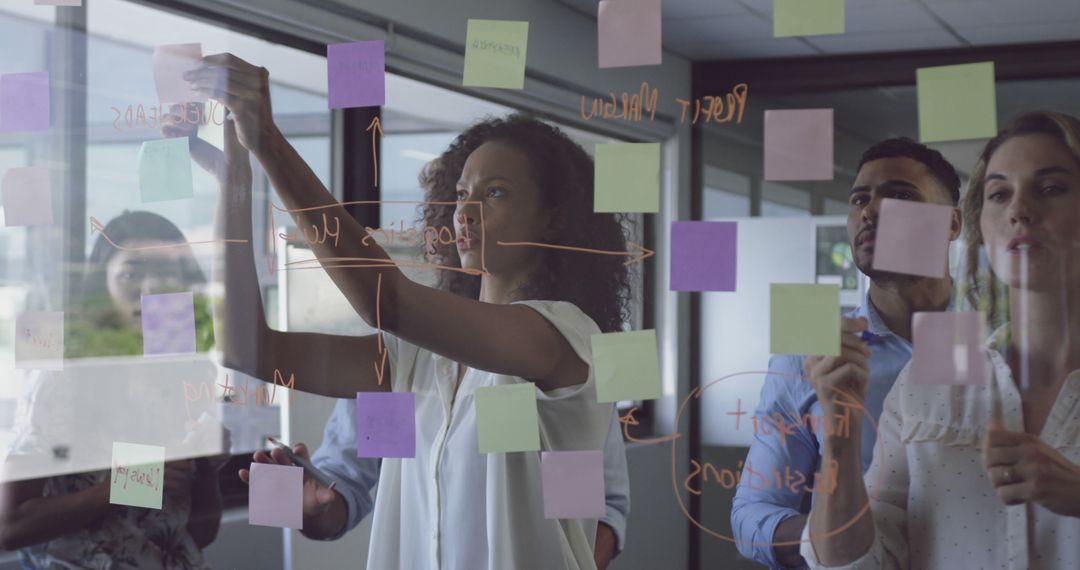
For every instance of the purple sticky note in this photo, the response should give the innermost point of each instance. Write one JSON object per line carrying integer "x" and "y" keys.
{"x": 27, "y": 196}
{"x": 628, "y": 32}
{"x": 912, "y": 238}
{"x": 573, "y": 484}
{"x": 357, "y": 74}
{"x": 168, "y": 323}
{"x": 24, "y": 102}
{"x": 276, "y": 495}
{"x": 170, "y": 62}
{"x": 948, "y": 349}
{"x": 703, "y": 256}
{"x": 799, "y": 144}
{"x": 385, "y": 424}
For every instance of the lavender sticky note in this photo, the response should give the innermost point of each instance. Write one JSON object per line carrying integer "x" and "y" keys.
{"x": 39, "y": 340}
{"x": 357, "y": 74}
{"x": 27, "y": 196}
{"x": 628, "y": 32}
{"x": 703, "y": 256}
{"x": 573, "y": 483}
{"x": 912, "y": 238}
{"x": 799, "y": 144}
{"x": 948, "y": 349}
{"x": 276, "y": 495}
{"x": 24, "y": 102}
{"x": 138, "y": 475}
{"x": 168, "y": 323}
{"x": 170, "y": 62}
{"x": 385, "y": 424}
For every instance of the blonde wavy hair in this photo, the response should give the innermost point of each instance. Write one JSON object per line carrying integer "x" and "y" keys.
{"x": 984, "y": 292}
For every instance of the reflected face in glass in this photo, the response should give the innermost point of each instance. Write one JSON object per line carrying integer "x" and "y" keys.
{"x": 899, "y": 178}
{"x": 498, "y": 177}
{"x": 1031, "y": 208}
{"x": 131, "y": 274}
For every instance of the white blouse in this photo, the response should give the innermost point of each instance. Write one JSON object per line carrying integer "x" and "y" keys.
{"x": 456, "y": 508}
{"x": 932, "y": 501}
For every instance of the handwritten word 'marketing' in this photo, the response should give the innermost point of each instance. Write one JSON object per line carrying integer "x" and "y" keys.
{"x": 237, "y": 395}
{"x": 628, "y": 107}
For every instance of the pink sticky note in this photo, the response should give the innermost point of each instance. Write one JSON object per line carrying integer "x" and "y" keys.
{"x": 27, "y": 196}
{"x": 24, "y": 102}
{"x": 573, "y": 484}
{"x": 276, "y": 495}
{"x": 356, "y": 74}
{"x": 912, "y": 238}
{"x": 385, "y": 424}
{"x": 39, "y": 340}
{"x": 948, "y": 349}
{"x": 799, "y": 144}
{"x": 170, "y": 62}
{"x": 628, "y": 32}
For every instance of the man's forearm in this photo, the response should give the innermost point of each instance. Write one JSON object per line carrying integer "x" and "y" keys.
{"x": 330, "y": 522}
{"x": 789, "y": 530}
{"x": 841, "y": 497}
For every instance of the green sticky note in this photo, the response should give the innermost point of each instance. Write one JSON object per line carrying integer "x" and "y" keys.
{"x": 956, "y": 102}
{"x": 138, "y": 475}
{"x": 627, "y": 366}
{"x": 506, "y": 418}
{"x": 805, "y": 319}
{"x": 793, "y": 18}
{"x": 627, "y": 178}
{"x": 165, "y": 170}
{"x": 495, "y": 54}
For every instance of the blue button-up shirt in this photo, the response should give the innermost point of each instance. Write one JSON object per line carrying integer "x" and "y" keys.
{"x": 759, "y": 507}
{"x": 357, "y": 476}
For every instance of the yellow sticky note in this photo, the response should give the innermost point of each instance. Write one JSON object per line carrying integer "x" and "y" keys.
{"x": 506, "y": 418}
{"x": 627, "y": 366}
{"x": 495, "y": 54}
{"x": 138, "y": 475}
{"x": 627, "y": 178}
{"x": 956, "y": 102}
{"x": 793, "y": 18}
{"x": 804, "y": 319}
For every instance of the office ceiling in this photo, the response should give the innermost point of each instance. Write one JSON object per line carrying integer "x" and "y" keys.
{"x": 705, "y": 30}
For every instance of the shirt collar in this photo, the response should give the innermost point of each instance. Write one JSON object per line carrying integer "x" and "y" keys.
{"x": 877, "y": 325}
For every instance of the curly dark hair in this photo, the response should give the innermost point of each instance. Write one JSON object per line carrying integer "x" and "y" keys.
{"x": 933, "y": 160}
{"x": 600, "y": 285}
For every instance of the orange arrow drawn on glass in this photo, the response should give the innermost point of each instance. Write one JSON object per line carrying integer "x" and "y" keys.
{"x": 376, "y": 130}
{"x": 381, "y": 367}
{"x": 637, "y": 255}
{"x": 629, "y": 420}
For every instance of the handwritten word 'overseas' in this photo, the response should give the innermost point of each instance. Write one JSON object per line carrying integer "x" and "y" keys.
{"x": 146, "y": 476}
{"x": 628, "y": 107}
{"x": 499, "y": 48}
{"x": 136, "y": 115}
{"x": 237, "y": 395}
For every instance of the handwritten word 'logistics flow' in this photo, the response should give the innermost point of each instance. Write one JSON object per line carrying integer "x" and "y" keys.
{"x": 628, "y": 107}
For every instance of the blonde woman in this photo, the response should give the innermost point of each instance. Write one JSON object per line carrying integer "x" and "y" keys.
{"x": 979, "y": 476}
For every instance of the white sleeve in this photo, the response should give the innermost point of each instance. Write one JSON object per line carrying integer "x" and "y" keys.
{"x": 887, "y": 484}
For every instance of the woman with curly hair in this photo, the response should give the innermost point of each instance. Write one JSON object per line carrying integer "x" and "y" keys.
{"x": 525, "y": 325}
